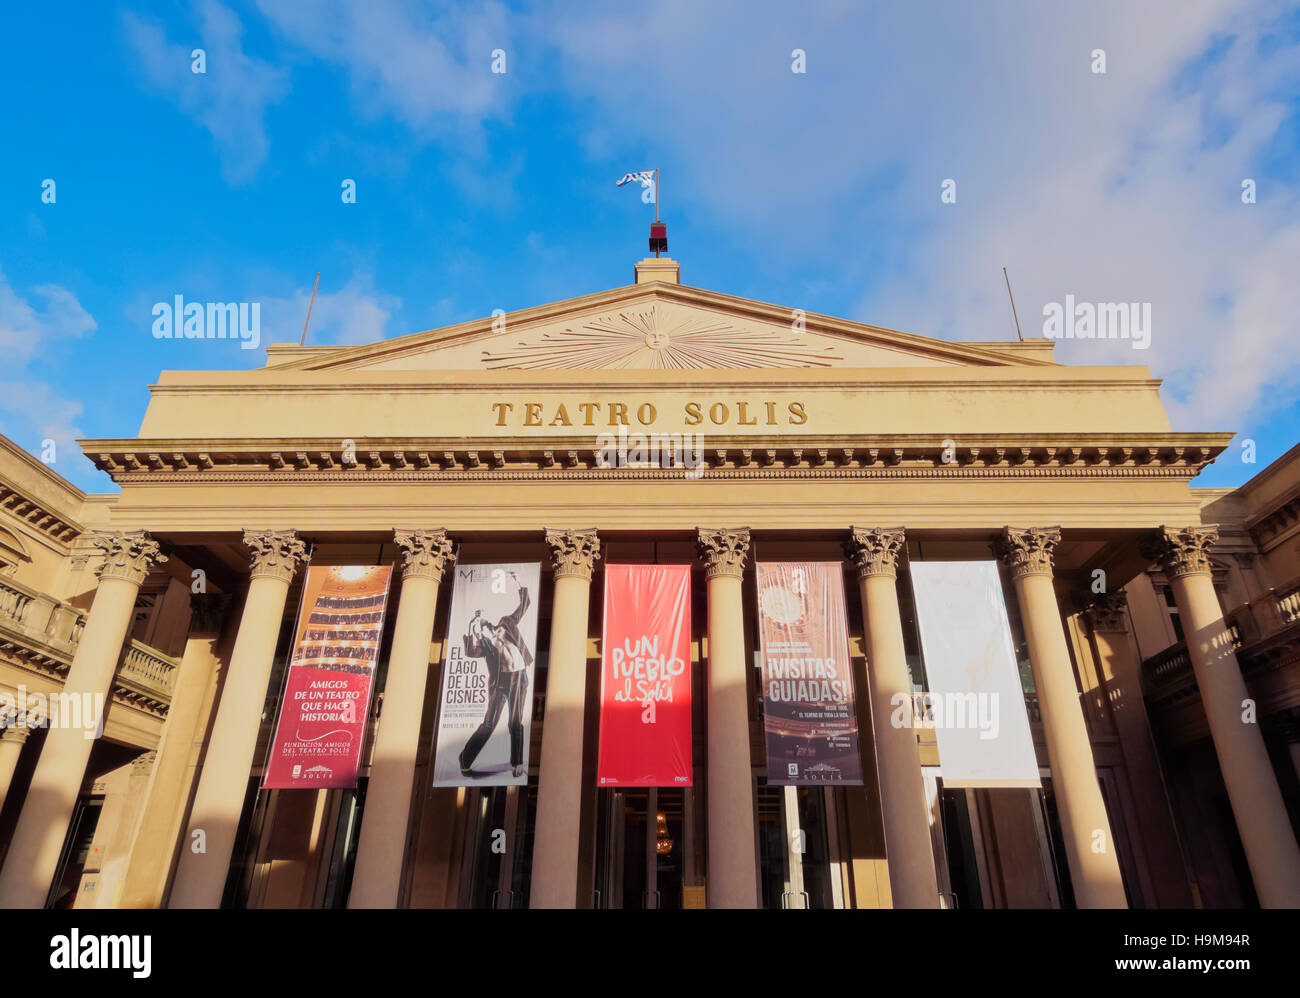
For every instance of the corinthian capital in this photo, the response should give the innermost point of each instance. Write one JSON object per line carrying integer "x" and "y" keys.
{"x": 1028, "y": 551}
{"x": 1182, "y": 551}
{"x": 1107, "y": 612}
{"x": 573, "y": 552}
{"x": 276, "y": 553}
{"x": 427, "y": 553}
{"x": 128, "y": 555}
{"x": 875, "y": 550}
{"x": 724, "y": 551}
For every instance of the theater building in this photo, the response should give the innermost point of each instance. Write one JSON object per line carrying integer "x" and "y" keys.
{"x": 1155, "y": 628}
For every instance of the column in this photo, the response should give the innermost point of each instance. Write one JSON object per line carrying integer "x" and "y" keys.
{"x": 732, "y": 874}
{"x": 1108, "y": 620}
{"x": 377, "y": 879}
{"x": 43, "y": 825}
{"x": 559, "y": 783}
{"x": 150, "y": 865}
{"x": 223, "y": 782}
{"x": 1089, "y": 844}
{"x": 12, "y": 739}
{"x": 1266, "y": 835}
{"x": 912, "y": 879}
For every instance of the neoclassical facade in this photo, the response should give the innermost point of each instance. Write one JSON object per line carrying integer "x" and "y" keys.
{"x": 1156, "y": 626}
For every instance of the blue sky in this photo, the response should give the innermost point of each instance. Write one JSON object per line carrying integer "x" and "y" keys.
{"x": 818, "y": 190}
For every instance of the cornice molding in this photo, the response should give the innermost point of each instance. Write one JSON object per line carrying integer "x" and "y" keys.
{"x": 1180, "y": 456}
{"x": 37, "y": 515}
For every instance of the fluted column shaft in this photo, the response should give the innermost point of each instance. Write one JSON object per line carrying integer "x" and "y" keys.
{"x": 1089, "y": 844}
{"x": 12, "y": 740}
{"x": 145, "y": 883}
{"x": 377, "y": 878}
{"x": 1262, "y": 822}
{"x": 214, "y": 819}
{"x": 912, "y": 879}
{"x": 559, "y": 782}
{"x": 732, "y": 872}
{"x": 33, "y": 856}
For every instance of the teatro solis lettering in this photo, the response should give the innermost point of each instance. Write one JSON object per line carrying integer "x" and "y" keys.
{"x": 745, "y": 412}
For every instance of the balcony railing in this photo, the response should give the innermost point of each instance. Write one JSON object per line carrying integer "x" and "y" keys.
{"x": 1269, "y": 613}
{"x": 1260, "y": 620}
{"x": 48, "y": 630}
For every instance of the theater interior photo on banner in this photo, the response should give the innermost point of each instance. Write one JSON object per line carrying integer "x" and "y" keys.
{"x": 534, "y": 456}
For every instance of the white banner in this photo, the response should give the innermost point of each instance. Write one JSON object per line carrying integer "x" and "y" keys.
{"x": 485, "y": 709}
{"x": 975, "y": 694}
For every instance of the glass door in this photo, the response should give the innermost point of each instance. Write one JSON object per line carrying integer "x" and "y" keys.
{"x": 798, "y": 848}
{"x": 646, "y": 845}
{"x": 498, "y": 847}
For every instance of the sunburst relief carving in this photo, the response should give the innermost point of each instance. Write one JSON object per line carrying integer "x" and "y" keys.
{"x": 653, "y": 339}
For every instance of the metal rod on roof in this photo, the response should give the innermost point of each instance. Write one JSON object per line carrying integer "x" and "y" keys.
{"x": 1013, "y": 304}
{"x": 303, "y": 341}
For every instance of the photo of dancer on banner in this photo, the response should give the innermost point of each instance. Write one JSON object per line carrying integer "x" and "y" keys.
{"x": 645, "y": 677}
{"x": 810, "y": 715}
{"x": 331, "y": 678}
{"x": 486, "y": 704}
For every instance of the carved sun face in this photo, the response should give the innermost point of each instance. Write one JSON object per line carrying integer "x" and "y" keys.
{"x": 659, "y": 337}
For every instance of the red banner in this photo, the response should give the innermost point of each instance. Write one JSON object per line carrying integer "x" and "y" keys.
{"x": 645, "y": 677}
{"x": 326, "y": 700}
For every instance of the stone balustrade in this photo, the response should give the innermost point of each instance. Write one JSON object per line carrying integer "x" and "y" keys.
{"x": 36, "y": 626}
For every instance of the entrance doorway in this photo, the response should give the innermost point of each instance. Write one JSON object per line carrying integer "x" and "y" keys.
{"x": 497, "y": 867}
{"x": 647, "y": 848}
{"x": 76, "y": 851}
{"x": 798, "y": 845}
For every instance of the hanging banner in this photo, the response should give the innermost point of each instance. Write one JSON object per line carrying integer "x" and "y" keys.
{"x": 485, "y": 710}
{"x": 645, "y": 677}
{"x": 810, "y": 715}
{"x": 975, "y": 695}
{"x": 331, "y": 677}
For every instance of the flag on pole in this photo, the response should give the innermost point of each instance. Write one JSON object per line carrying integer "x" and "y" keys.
{"x": 647, "y": 178}
{"x": 649, "y": 195}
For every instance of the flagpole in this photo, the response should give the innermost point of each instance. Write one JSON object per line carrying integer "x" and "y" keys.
{"x": 656, "y": 194}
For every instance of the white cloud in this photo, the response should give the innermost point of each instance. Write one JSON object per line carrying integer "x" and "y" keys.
{"x": 356, "y": 313}
{"x": 230, "y": 99}
{"x": 429, "y": 65}
{"x": 33, "y": 411}
{"x": 25, "y": 329}
{"x": 1115, "y": 187}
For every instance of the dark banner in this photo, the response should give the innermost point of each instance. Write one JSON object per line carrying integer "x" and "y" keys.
{"x": 810, "y": 718}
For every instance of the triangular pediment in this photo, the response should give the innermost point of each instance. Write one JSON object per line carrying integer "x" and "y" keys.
{"x": 658, "y": 326}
